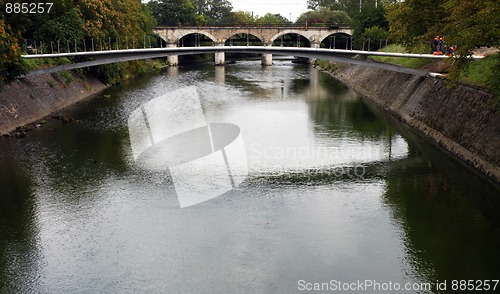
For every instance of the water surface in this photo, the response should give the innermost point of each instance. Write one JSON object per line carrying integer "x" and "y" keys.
{"x": 336, "y": 190}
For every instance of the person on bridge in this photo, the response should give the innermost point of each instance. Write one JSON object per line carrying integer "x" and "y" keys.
{"x": 435, "y": 46}
{"x": 451, "y": 50}
{"x": 441, "y": 46}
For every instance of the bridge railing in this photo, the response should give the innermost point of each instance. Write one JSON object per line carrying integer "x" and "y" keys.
{"x": 33, "y": 46}
{"x": 262, "y": 25}
{"x": 105, "y": 44}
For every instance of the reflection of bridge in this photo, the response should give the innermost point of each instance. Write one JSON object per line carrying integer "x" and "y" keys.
{"x": 266, "y": 35}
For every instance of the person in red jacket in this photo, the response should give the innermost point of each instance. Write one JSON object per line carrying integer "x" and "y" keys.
{"x": 435, "y": 45}
{"x": 441, "y": 46}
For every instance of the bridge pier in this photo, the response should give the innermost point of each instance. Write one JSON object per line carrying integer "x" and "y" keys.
{"x": 267, "y": 59}
{"x": 220, "y": 57}
{"x": 314, "y": 45}
{"x": 173, "y": 60}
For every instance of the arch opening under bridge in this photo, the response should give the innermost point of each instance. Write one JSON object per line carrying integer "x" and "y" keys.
{"x": 295, "y": 36}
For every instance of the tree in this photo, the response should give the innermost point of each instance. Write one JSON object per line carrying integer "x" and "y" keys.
{"x": 243, "y": 17}
{"x": 324, "y": 16}
{"x": 68, "y": 26}
{"x": 473, "y": 23}
{"x": 351, "y": 7}
{"x": 11, "y": 64}
{"x": 375, "y": 33}
{"x": 275, "y": 19}
{"x": 364, "y": 14}
{"x": 173, "y": 12}
{"x": 217, "y": 11}
{"x": 416, "y": 20}
{"x": 115, "y": 18}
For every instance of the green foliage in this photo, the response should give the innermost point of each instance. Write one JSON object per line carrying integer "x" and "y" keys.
{"x": 11, "y": 64}
{"x": 191, "y": 12}
{"x": 114, "y": 73}
{"x": 468, "y": 24}
{"x": 243, "y": 17}
{"x": 473, "y": 23}
{"x": 412, "y": 21}
{"x": 37, "y": 63}
{"x": 69, "y": 20}
{"x": 369, "y": 17}
{"x": 484, "y": 72}
{"x": 173, "y": 12}
{"x": 67, "y": 76}
{"x": 375, "y": 33}
{"x": 324, "y": 16}
{"x": 272, "y": 19}
{"x": 66, "y": 27}
{"x": 112, "y": 18}
{"x": 200, "y": 20}
{"x": 216, "y": 11}
{"x": 370, "y": 13}
{"x": 349, "y": 6}
{"x": 330, "y": 66}
{"x": 406, "y": 62}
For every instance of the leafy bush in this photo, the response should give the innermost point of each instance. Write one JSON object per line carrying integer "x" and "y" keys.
{"x": 11, "y": 64}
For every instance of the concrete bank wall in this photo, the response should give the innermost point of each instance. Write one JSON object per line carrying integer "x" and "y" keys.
{"x": 459, "y": 119}
{"x": 30, "y": 99}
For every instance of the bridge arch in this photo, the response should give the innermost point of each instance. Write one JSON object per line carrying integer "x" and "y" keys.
{"x": 337, "y": 40}
{"x": 228, "y": 40}
{"x": 286, "y": 32}
{"x": 200, "y": 32}
{"x": 179, "y": 34}
{"x": 275, "y": 41}
{"x": 227, "y": 36}
{"x": 193, "y": 39}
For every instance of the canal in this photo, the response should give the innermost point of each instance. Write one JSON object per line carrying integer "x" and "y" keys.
{"x": 335, "y": 191}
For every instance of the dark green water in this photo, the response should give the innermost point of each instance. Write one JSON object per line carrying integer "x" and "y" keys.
{"x": 336, "y": 191}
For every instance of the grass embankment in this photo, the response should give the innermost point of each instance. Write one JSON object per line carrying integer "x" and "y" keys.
{"x": 109, "y": 73}
{"x": 403, "y": 61}
{"x": 478, "y": 73}
{"x": 36, "y": 63}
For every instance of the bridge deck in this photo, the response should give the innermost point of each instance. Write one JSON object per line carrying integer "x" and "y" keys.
{"x": 322, "y": 52}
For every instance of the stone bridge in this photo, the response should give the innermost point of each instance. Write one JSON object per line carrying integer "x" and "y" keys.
{"x": 266, "y": 34}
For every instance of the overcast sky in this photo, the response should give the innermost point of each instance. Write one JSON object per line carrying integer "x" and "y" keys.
{"x": 286, "y": 8}
{"x": 261, "y": 7}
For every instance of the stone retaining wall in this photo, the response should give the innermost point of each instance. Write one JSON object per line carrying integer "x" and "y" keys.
{"x": 27, "y": 100}
{"x": 459, "y": 119}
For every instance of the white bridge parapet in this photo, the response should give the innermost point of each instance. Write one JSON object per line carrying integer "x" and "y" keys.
{"x": 338, "y": 55}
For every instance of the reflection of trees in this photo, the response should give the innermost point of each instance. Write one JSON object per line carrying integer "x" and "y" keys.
{"x": 84, "y": 164}
{"x": 449, "y": 216}
{"x": 342, "y": 110}
{"x": 18, "y": 232}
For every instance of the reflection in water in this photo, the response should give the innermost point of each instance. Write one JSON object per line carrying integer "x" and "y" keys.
{"x": 220, "y": 75}
{"x": 170, "y": 134}
{"x": 19, "y": 257}
{"x": 336, "y": 190}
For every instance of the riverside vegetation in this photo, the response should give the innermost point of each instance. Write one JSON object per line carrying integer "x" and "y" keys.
{"x": 468, "y": 24}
